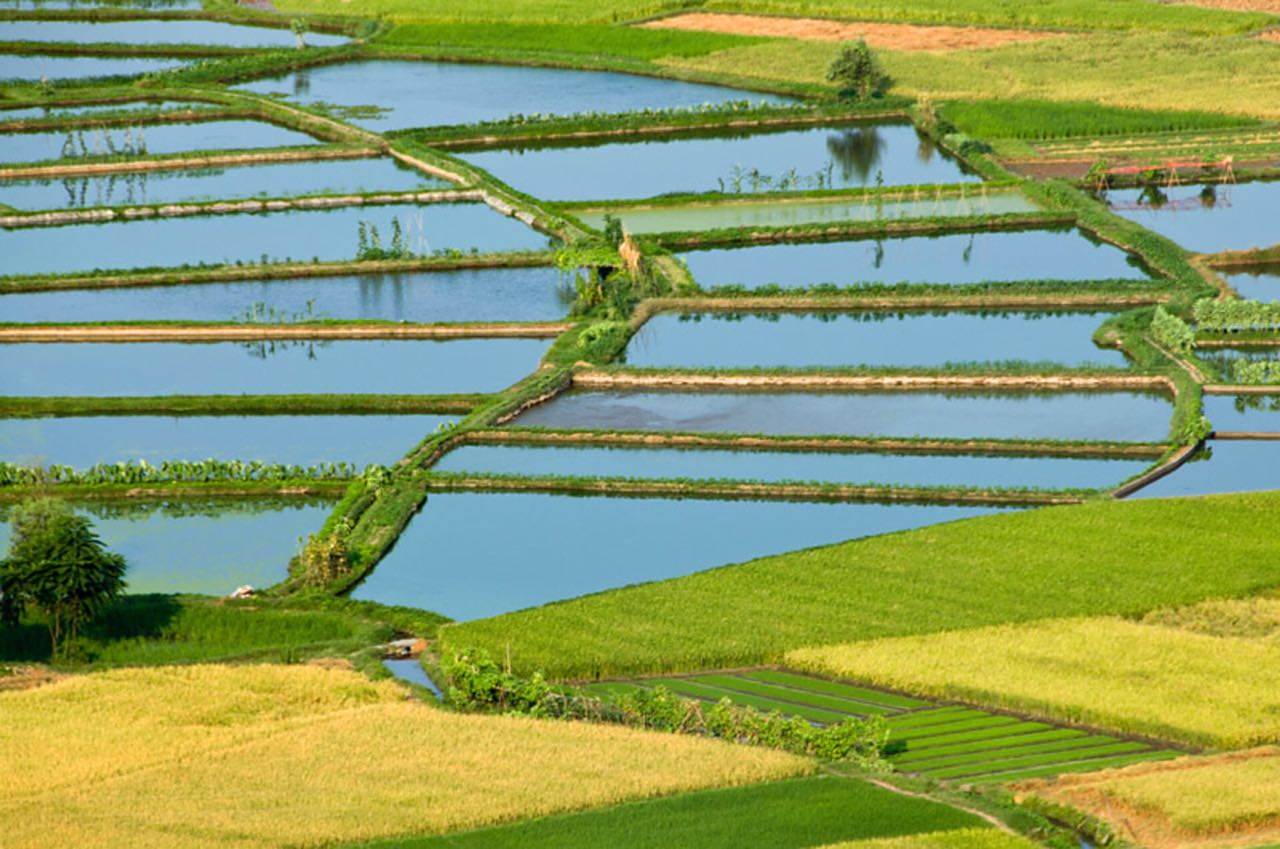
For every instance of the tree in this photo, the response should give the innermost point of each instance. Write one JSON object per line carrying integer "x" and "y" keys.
{"x": 58, "y": 565}
{"x": 299, "y": 27}
{"x": 856, "y": 71}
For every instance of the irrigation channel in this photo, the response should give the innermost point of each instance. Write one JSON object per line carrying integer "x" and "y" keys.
{"x": 824, "y": 321}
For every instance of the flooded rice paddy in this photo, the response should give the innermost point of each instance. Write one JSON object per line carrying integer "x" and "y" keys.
{"x": 1223, "y": 466}
{"x": 462, "y": 295}
{"x": 67, "y": 146}
{"x": 471, "y": 555}
{"x": 721, "y": 340}
{"x": 794, "y": 213}
{"x": 1120, "y": 416}
{"x": 398, "y": 367}
{"x": 290, "y": 235}
{"x": 951, "y": 259}
{"x": 83, "y": 441}
{"x": 15, "y": 66}
{"x": 292, "y": 179}
{"x": 789, "y": 160}
{"x": 467, "y": 93}
{"x": 1205, "y": 218}
{"x": 158, "y": 32}
{"x": 779, "y": 466}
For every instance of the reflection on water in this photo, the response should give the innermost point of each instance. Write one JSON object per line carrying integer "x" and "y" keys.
{"x": 857, "y": 151}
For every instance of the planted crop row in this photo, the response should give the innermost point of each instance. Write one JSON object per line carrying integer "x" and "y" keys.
{"x": 1236, "y": 315}
{"x": 174, "y": 471}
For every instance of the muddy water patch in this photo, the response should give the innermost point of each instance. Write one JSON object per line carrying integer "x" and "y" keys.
{"x": 470, "y": 555}
{"x": 297, "y": 235}
{"x": 159, "y": 32}
{"x": 735, "y": 340}
{"x": 1059, "y": 254}
{"x": 70, "y": 146}
{"x": 419, "y": 367}
{"x": 1117, "y": 416}
{"x": 419, "y": 94}
{"x": 786, "y": 160}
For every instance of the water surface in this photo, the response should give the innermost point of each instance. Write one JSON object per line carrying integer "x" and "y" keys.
{"x": 776, "y": 466}
{"x": 32, "y": 67}
{"x": 58, "y": 111}
{"x": 1067, "y": 415}
{"x": 417, "y": 94}
{"x": 793, "y": 213}
{"x": 289, "y": 179}
{"x": 1250, "y": 413}
{"x": 408, "y": 367}
{"x": 143, "y": 139}
{"x": 209, "y": 548}
{"x": 469, "y": 294}
{"x": 1256, "y": 284}
{"x": 159, "y": 32}
{"x": 410, "y": 669}
{"x": 296, "y": 234}
{"x": 469, "y": 555}
{"x": 811, "y": 158}
{"x": 83, "y": 441}
{"x": 1227, "y": 466}
{"x": 155, "y": 5}
{"x": 957, "y": 259}
{"x": 719, "y": 340}
{"x": 1206, "y": 218}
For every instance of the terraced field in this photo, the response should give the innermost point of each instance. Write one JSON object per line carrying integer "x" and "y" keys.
{"x": 946, "y": 742}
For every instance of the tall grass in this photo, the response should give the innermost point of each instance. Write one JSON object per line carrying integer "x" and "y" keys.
{"x": 261, "y": 756}
{"x": 1044, "y": 119}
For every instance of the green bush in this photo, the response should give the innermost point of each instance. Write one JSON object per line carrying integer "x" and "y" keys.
{"x": 856, "y": 71}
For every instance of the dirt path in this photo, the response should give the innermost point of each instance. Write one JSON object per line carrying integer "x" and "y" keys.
{"x": 887, "y": 36}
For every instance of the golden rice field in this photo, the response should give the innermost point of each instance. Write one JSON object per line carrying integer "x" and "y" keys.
{"x": 1159, "y": 681}
{"x": 266, "y": 756}
{"x": 1256, "y": 618}
{"x": 960, "y": 838}
{"x": 1232, "y": 797}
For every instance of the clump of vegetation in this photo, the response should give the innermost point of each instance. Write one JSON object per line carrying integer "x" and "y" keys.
{"x": 326, "y": 557}
{"x": 1255, "y": 372}
{"x": 369, "y": 242}
{"x": 59, "y": 567}
{"x": 476, "y": 682}
{"x": 1172, "y": 332}
{"x": 857, "y": 72}
{"x": 299, "y": 28}
{"x": 174, "y": 471}
{"x": 1236, "y": 315}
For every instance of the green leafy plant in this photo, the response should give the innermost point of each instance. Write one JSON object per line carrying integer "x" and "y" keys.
{"x": 856, "y": 71}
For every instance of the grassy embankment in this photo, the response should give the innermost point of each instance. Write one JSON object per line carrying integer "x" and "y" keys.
{"x": 274, "y": 756}
{"x": 1125, "y": 558}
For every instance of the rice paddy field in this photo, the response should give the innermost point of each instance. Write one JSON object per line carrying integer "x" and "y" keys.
{"x": 562, "y": 424}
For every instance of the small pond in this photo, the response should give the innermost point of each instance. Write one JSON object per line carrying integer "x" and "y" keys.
{"x": 722, "y": 340}
{"x": 471, "y": 555}
{"x": 1206, "y": 218}
{"x": 792, "y": 213}
{"x": 958, "y": 258}
{"x": 1115, "y": 416}
{"x": 15, "y": 66}
{"x": 292, "y": 179}
{"x": 159, "y": 32}
{"x": 468, "y": 294}
{"x": 297, "y": 235}
{"x": 776, "y": 466}
{"x": 1227, "y": 466}
{"x": 208, "y": 547}
{"x": 419, "y": 94}
{"x": 396, "y": 367}
{"x": 1255, "y": 284}
{"x": 1244, "y": 413}
{"x": 410, "y": 669}
{"x": 811, "y": 158}
{"x": 67, "y": 146}
{"x": 83, "y": 441}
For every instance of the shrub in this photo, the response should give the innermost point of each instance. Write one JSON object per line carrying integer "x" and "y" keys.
{"x": 1172, "y": 332}
{"x": 857, "y": 72}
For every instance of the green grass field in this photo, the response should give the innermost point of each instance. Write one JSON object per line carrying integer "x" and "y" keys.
{"x": 956, "y": 743}
{"x": 1123, "y": 557}
{"x": 792, "y": 814}
{"x": 960, "y": 838}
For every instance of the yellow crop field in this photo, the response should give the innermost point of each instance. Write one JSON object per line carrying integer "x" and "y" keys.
{"x": 1257, "y": 618}
{"x": 960, "y": 838}
{"x": 262, "y": 756}
{"x": 1232, "y": 798}
{"x": 1106, "y": 672}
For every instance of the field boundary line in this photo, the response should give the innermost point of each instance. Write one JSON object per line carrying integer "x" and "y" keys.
{"x": 180, "y": 162}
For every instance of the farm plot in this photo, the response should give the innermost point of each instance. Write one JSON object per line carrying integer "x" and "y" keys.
{"x": 903, "y": 339}
{"x": 1259, "y": 283}
{"x": 1222, "y": 466}
{"x": 193, "y": 546}
{"x": 63, "y": 111}
{"x": 315, "y": 234}
{"x": 1162, "y": 681}
{"x": 288, "y": 367}
{"x": 138, "y": 188}
{"x": 158, "y": 32}
{"x": 794, "y": 212}
{"x": 1208, "y": 218}
{"x": 1059, "y": 415}
{"x": 267, "y": 756}
{"x": 952, "y": 743}
{"x": 1243, "y": 413}
{"x": 951, "y": 259}
{"x": 467, "y": 93}
{"x": 26, "y": 66}
{"x": 67, "y": 147}
{"x": 813, "y": 158}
